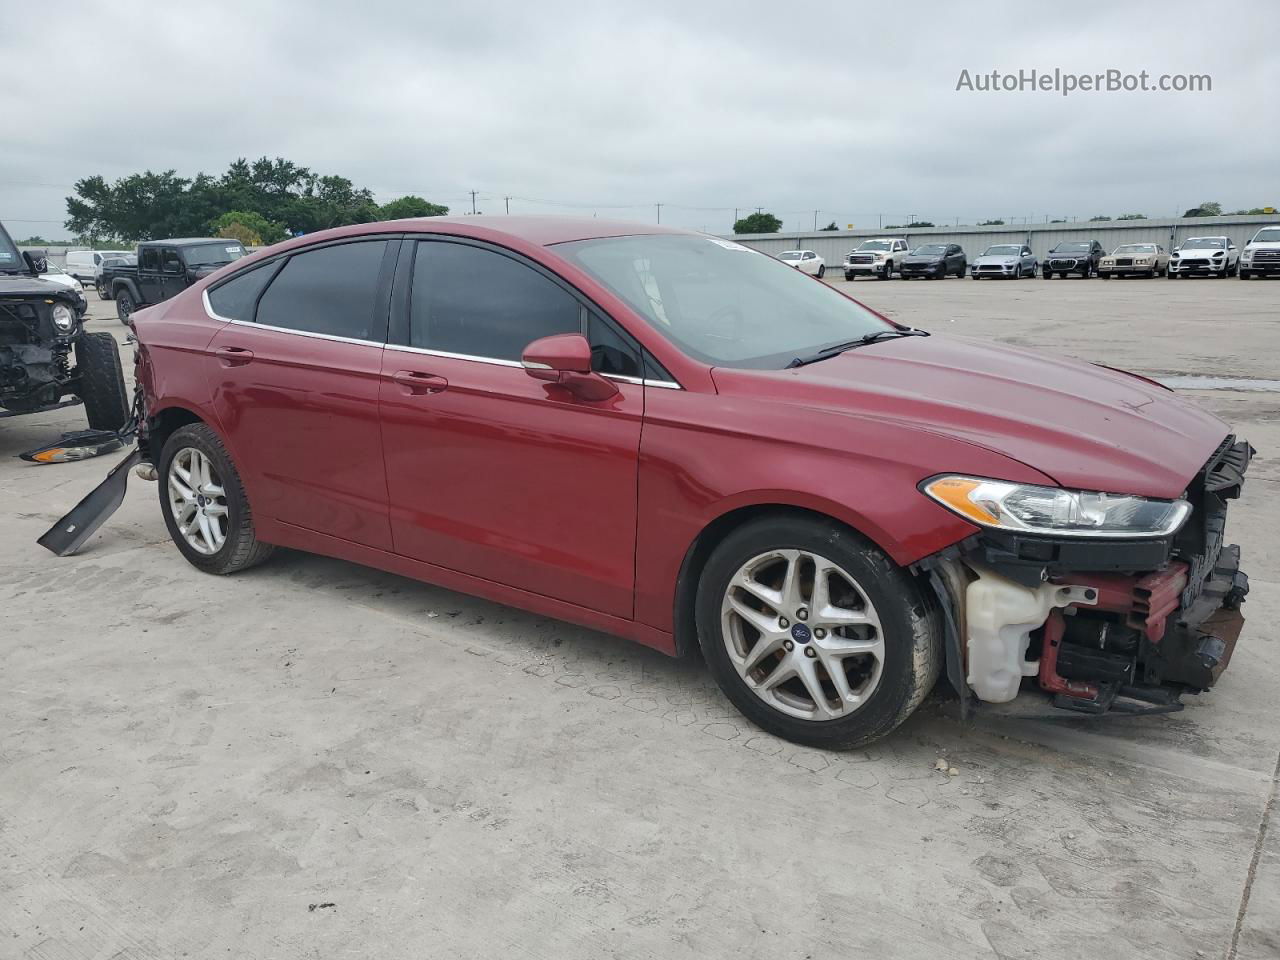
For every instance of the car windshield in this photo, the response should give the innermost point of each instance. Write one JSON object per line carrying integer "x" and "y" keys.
{"x": 10, "y": 259}
{"x": 930, "y": 250}
{"x": 1076, "y": 246}
{"x": 1129, "y": 248}
{"x": 208, "y": 253}
{"x": 789, "y": 255}
{"x": 1204, "y": 243}
{"x": 1269, "y": 235}
{"x": 720, "y": 302}
{"x": 1003, "y": 250}
{"x": 876, "y": 245}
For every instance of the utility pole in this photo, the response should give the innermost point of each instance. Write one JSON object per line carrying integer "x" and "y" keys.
{"x": 815, "y": 221}
{"x": 473, "y": 202}
{"x": 735, "y": 214}
{"x": 880, "y": 218}
{"x": 659, "y": 206}
{"x": 507, "y": 201}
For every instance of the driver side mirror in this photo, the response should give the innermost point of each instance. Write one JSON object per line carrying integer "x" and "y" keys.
{"x": 36, "y": 264}
{"x": 565, "y": 359}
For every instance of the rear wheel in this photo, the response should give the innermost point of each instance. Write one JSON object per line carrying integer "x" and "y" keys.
{"x": 204, "y": 503}
{"x": 822, "y": 271}
{"x": 101, "y": 381}
{"x": 124, "y": 305}
{"x": 814, "y": 634}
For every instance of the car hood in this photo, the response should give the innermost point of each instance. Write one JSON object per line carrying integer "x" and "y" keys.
{"x": 924, "y": 258}
{"x": 1066, "y": 256}
{"x": 24, "y": 285}
{"x": 1085, "y": 426}
{"x": 996, "y": 258}
{"x": 1264, "y": 245}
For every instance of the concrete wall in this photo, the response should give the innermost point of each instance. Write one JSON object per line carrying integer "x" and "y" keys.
{"x": 834, "y": 245}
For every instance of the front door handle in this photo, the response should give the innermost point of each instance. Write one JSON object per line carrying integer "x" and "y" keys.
{"x": 419, "y": 384}
{"x": 233, "y": 356}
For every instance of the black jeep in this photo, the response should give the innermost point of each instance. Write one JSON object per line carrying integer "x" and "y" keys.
{"x": 164, "y": 269}
{"x": 41, "y": 331}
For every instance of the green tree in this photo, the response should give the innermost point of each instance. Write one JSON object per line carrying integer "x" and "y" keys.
{"x": 758, "y": 223}
{"x": 1100, "y": 218}
{"x": 251, "y": 223}
{"x": 235, "y": 230}
{"x": 410, "y": 206}
{"x": 1205, "y": 210}
{"x": 1132, "y": 216}
{"x": 831, "y": 226}
{"x": 36, "y": 241}
{"x": 991, "y": 223}
{"x": 921, "y": 223}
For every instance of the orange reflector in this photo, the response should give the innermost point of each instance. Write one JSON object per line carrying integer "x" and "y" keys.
{"x": 954, "y": 493}
{"x": 56, "y": 455}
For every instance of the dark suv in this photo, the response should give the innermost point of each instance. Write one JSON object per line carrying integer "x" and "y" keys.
{"x": 41, "y": 333}
{"x": 1073, "y": 256}
{"x": 166, "y": 268}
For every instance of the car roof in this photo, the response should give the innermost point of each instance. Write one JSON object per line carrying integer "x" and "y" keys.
{"x": 543, "y": 230}
{"x": 187, "y": 241}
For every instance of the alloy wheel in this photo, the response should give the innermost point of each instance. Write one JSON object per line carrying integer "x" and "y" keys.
{"x": 198, "y": 501}
{"x": 803, "y": 634}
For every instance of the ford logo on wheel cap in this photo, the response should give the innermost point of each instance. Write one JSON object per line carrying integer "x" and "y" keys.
{"x": 800, "y": 633}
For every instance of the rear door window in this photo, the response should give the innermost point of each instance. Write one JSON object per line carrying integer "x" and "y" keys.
{"x": 149, "y": 259}
{"x": 170, "y": 260}
{"x": 332, "y": 291}
{"x": 236, "y": 298}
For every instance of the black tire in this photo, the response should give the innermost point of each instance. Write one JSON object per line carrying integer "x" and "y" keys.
{"x": 1234, "y": 269}
{"x": 848, "y": 276}
{"x": 822, "y": 271}
{"x": 1047, "y": 274}
{"x": 101, "y": 381}
{"x": 242, "y": 548}
{"x": 103, "y": 294}
{"x": 1245, "y": 275}
{"x": 888, "y": 271}
{"x": 1105, "y": 276}
{"x": 124, "y": 305}
{"x": 910, "y": 620}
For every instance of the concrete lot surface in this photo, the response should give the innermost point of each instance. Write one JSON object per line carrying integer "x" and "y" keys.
{"x": 314, "y": 759}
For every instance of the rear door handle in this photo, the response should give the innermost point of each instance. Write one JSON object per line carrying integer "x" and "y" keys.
{"x": 419, "y": 384}
{"x": 233, "y": 356}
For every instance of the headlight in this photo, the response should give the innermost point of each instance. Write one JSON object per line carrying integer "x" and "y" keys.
{"x": 879, "y": 256}
{"x": 63, "y": 318}
{"x": 1053, "y": 511}
{"x": 1219, "y": 254}
{"x": 1141, "y": 262}
{"x": 1010, "y": 263}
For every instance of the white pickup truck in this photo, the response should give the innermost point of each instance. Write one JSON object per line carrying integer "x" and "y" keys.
{"x": 1261, "y": 255}
{"x": 875, "y": 258}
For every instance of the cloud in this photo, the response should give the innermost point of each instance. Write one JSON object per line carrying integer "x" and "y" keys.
{"x": 717, "y": 105}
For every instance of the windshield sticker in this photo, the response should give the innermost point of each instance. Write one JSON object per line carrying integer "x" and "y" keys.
{"x": 6, "y": 256}
{"x": 728, "y": 244}
{"x": 233, "y": 249}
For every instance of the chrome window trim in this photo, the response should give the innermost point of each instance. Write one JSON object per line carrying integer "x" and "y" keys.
{"x": 638, "y": 381}
{"x": 401, "y": 348}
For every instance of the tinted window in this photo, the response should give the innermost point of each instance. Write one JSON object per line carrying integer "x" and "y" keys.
{"x": 332, "y": 290}
{"x": 610, "y": 351}
{"x": 171, "y": 262}
{"x": 237, "y": 297}
{"x": 150, "y": 259}
{"x": 480, "y": 303}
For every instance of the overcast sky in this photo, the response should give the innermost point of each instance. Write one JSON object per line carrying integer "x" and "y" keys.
{"x": 788, "y": 106}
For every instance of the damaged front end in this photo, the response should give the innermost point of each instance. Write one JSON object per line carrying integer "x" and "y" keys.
{"x": 1124, "y": 625}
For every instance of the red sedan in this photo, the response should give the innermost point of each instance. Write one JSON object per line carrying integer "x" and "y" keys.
{"x": 671, "y": 437}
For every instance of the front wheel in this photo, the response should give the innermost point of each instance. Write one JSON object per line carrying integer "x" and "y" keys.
{"x": 101, "y": 381}
{"x": 888, "y": 271}
{"x": 848, "y": 275}
{"x": 204, "y": 504}
{"x": 822, "y": 271}
{"x": 814, "y": 634}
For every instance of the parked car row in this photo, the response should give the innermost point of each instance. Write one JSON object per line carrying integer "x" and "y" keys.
{"x": 885, "y": 257}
